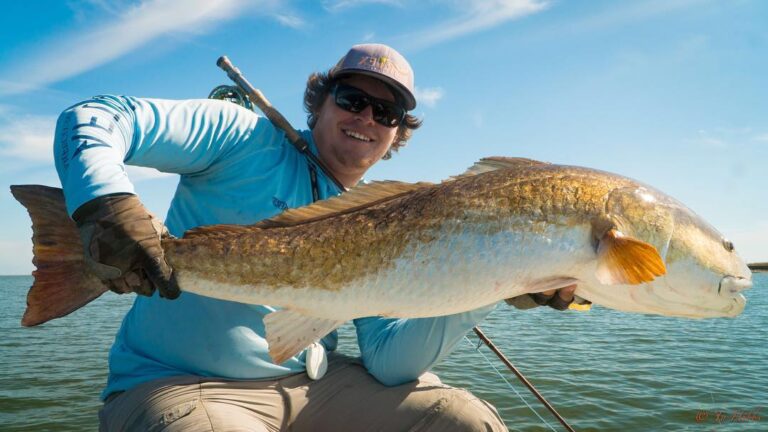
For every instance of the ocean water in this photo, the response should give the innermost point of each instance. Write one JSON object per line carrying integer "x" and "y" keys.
{"x": 602, "y": 370}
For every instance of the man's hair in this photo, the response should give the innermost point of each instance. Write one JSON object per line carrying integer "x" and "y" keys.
{"x": 319, "y": 85}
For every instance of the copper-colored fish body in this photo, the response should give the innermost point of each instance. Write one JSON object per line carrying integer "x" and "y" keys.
{"x": 505, "y": 228}
{"x": 551, "y": 217}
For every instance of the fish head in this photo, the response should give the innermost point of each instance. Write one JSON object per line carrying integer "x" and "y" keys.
{"x": 704, "y": 271}
{"x": 703, "y": 275}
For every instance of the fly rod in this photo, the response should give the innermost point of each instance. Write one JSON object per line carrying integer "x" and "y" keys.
{"x": 522, "y": 378}
{"x": 274, "y": 116}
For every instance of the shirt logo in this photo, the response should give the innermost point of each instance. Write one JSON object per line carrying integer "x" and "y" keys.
{"x": 277, "y": 202}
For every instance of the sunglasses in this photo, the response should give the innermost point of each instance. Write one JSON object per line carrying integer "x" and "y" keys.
{"x": 354, "y": 100}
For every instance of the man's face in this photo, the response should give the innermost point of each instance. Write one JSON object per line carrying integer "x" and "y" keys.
{"x": 350, "y": 143}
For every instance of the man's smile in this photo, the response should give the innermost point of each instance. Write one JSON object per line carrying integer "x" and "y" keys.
{"x": 357, "y": 135}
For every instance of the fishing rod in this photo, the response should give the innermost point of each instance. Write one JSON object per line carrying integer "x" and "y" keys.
{"x": 521, "y": 377}
{"x": 274, "y": 116}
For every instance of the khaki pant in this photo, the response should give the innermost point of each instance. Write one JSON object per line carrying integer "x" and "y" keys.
{"x": 346, "y": 399}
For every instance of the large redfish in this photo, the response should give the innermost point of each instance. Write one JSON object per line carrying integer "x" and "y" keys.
{"x": 505, "y": 228}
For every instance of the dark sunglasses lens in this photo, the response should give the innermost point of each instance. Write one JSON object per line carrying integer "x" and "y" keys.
{"x": 389, "y": 115}
{"x": 355, "y": 100}
{"x": 351, "y": 99}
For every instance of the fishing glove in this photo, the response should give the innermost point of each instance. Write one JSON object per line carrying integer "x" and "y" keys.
{"x": 121, "y": 240}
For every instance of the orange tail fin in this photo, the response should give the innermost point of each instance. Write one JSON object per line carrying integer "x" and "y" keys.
{"x": 63, "y": 282}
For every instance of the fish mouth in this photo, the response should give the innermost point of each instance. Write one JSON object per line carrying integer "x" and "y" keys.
{"x": 732, "y": 286}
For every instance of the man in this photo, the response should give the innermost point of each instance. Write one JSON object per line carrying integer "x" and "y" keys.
{"x": 196, "y": 363}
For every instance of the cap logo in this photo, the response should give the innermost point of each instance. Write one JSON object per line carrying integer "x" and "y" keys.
{"x": 372, "y": 61}
{"x": 377, "y": 63}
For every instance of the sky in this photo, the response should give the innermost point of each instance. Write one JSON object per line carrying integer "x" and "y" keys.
{"x": 673, "y": 93}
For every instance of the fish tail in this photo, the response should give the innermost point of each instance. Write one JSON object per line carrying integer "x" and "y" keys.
{"x": 63, "y": 283}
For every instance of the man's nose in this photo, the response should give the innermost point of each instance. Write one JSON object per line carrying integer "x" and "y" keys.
{"x": 366, "y": 114}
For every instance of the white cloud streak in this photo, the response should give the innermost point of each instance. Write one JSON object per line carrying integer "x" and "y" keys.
{"x": 291, "y": 21}
{"x": 29, "y": 139}
{"x": 429, "y": 95}
{"x": 761, "y": 138}
{"x": 620, "y": 14}
{"x": 723, "y": 138}
{"x": 74, "y": 53}
{"x": 339, "y": 5}
{"x": 477, "y": 15}
{"x": 707, "y": 139}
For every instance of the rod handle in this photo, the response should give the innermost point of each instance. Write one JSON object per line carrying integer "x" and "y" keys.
{"x": 258, "y": 98}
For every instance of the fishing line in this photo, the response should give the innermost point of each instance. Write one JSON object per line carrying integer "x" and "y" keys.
{"x": 477, "y": 348}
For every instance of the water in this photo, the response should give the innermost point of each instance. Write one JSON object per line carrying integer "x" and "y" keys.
{"x": 602, "y": 370}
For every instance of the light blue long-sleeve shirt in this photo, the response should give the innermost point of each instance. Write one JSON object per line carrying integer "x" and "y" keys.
{"x": 235, "y": 167}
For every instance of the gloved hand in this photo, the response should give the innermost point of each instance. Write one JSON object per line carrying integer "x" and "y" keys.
{"x": 122, "y": 245}
{"x": 556, "y": 299}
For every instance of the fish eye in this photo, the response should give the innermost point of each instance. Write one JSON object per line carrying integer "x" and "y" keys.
{"x": 728, "y": 245}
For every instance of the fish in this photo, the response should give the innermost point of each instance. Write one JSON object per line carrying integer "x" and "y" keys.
{"x": 505, "y": 228}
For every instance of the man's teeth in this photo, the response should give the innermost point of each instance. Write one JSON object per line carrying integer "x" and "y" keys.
{"x": 356, "y": 135}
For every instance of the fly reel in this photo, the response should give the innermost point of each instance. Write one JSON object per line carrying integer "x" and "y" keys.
{"x": 232, "y": 94}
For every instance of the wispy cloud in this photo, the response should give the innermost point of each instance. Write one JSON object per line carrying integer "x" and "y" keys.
{"x": 84, "y": 10}
{"x": 620, "y": 14}
{"x": 338, "y": 5}
{"x": 728, "y": 137}
{"x": 28, "y": 139}
{"x": 475, "y": 16}
{"x": 429, "y": 95}
{"x": 78, "y": 51}
{"x": 763, "y": 138}
{"x": 288, "y": 20}
{"x": 636, "y": 11}
{"x": 706, "y": 138}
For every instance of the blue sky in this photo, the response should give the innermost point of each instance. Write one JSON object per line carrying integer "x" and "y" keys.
{"x": 671, "y": 92}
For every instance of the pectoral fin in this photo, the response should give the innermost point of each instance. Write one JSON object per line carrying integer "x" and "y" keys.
{"x": 289, "y": 332}
{"x": 627, "y": 261}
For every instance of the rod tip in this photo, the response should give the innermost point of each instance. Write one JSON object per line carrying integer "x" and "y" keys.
{"x": 223, "y": 59}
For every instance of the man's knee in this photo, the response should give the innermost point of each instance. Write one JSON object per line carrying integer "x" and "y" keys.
{"x": 460, "y": 410}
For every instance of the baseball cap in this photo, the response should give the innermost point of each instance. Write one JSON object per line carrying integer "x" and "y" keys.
{"x": 381, "y": 62}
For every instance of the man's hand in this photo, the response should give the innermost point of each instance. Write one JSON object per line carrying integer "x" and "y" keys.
{"x": 122, "y": 246}
{"x": 558, "y": 299}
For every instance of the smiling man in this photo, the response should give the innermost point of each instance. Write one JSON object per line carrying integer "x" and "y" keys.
{"x": 192, "y": 363}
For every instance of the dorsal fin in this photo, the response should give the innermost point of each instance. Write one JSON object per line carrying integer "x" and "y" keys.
{"x": 213, "y": 230}
{"x": 360, "y": 197}
{"x": 494, "y": 163}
